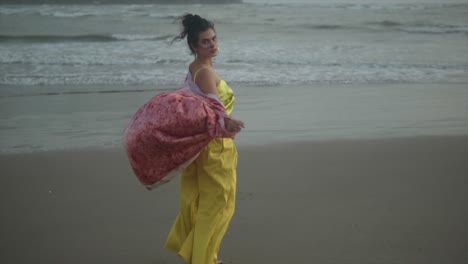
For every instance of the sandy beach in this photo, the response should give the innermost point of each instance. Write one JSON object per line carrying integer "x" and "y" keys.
{"x": 355, "y": 149}
{"x": 350, "y": 201}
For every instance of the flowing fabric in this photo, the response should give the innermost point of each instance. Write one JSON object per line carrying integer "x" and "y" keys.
{"x": 168, "y": 132}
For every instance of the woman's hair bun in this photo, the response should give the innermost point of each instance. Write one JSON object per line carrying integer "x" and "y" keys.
{"x": 189, "y": 19}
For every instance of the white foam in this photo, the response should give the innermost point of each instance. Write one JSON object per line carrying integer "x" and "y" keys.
{"x": 139, "y": 37}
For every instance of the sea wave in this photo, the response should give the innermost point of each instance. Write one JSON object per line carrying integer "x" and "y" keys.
{"x": 52, "y": 11}
{"x": 81, "y": 91}
{"x": 164, "y": 16}
{"x": 385, "y": 23}
{"x": 63, "y": 14}
{"x": 86, "y": 11}
{"x": 325, "y": 26}
{"x": 266, "y": 74}
{"x": 82, "y": 38}
{"x": 373, "y": 6}
{"x": 90, "y": 61}
{"x": 402, "y": 6}
{"x": 435, "y": 29}
{"x": 426, "y": 28}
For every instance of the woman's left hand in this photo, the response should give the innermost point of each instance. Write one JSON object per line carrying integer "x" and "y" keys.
{"x": 233, "y": 125}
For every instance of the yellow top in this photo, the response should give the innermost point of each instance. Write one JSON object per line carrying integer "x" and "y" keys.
{"x": 225, "y": 93}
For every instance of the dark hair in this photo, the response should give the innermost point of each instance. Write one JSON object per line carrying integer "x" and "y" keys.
{"x": 192, "y": 25}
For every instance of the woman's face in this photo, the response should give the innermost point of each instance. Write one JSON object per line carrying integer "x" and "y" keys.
{"x": 207, "y": 44}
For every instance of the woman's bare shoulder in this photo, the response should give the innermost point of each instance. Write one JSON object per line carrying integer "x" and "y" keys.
{"x": 203, "y": 72}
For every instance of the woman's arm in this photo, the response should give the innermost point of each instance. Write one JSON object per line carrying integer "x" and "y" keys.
{"x": 206, "y": 79}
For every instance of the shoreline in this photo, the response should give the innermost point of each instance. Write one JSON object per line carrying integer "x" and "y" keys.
{"x": 251, "y": 144}
{"x": 298, "y": 114}
{"x": 399, "y": 200}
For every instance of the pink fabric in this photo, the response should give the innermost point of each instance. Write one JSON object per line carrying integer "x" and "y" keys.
{"x": 169, "y": 131}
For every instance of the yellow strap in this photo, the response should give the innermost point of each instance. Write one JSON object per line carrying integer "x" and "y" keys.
{"x": 195, "y": 75}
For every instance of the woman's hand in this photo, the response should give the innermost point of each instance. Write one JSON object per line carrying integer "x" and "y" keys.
{"x": 233, "y": 125}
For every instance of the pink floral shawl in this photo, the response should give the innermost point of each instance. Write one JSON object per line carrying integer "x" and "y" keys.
{"x": 166, "y": 134}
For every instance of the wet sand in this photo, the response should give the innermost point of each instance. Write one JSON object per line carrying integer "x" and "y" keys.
{"x": 350, "y": 201}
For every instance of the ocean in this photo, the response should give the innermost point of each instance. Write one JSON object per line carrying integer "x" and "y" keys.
{"x": 72, "y": 76}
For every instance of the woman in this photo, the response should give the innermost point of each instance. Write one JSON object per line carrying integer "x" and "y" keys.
{"x": 208, "y": 184}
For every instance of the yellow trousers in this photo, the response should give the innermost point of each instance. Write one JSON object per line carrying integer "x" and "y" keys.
{"x": 207, "y": 202}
